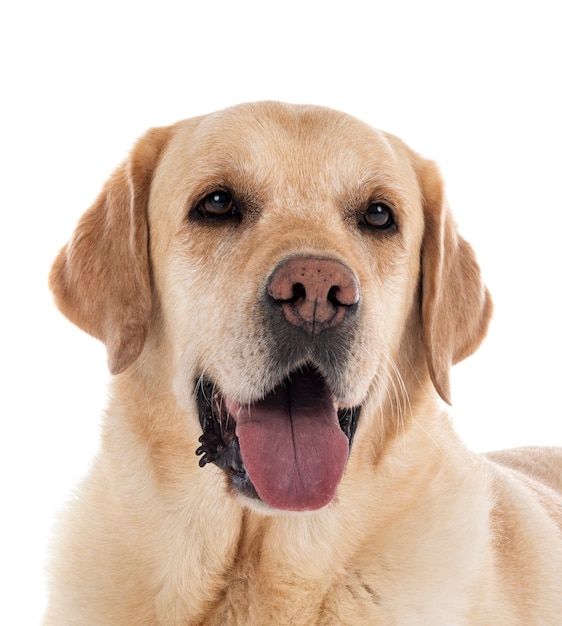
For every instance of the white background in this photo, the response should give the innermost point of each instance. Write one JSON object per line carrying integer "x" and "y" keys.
{"x": 476, "y": 86}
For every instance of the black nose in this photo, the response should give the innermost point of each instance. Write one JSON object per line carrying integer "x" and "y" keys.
{"x": 314, "y": 293}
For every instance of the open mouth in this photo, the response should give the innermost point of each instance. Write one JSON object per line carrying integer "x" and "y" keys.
{"x": 288, "y": 449}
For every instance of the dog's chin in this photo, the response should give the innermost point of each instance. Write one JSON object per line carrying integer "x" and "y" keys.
{"x": 285, "y": 452}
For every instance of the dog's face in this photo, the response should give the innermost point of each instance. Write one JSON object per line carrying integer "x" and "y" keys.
{"x": 290, "y": 271}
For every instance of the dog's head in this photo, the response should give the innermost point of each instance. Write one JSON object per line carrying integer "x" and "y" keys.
{"x": 281, "y": 267}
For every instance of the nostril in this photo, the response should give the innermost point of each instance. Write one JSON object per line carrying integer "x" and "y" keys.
{"x": 333, "y": 297}
{"x": 298, "y": 292}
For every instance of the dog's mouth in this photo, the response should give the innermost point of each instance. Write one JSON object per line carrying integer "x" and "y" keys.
{"x": 289, "y": 449}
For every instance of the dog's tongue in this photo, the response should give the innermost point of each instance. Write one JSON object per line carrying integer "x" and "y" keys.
{"x": 292, "y": 445}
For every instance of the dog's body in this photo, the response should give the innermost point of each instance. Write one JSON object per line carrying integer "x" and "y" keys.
{"x": 286, "y": 285}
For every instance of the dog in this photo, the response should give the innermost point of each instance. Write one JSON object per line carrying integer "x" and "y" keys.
{"x": 282, "y": 292}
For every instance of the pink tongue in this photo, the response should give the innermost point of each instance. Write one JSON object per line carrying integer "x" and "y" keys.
{"x": 292, "y": 445}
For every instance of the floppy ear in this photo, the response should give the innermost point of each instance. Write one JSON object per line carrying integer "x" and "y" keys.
{"x": 456, "y": 306}
{"x": 101, "y": 278}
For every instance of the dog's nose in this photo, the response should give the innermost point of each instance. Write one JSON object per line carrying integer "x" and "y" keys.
{"x": 314, "y": 293}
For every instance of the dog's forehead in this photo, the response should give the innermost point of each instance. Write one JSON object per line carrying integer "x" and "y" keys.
{"x": 289, "y": 144}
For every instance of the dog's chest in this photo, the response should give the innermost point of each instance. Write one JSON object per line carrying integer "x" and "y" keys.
{"x": 295, "y": 602}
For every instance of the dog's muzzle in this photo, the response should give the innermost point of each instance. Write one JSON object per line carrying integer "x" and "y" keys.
{"x": 290, "y": 448}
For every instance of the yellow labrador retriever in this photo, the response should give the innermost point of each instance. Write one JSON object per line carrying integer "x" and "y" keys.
{"x": 282, "y": 292}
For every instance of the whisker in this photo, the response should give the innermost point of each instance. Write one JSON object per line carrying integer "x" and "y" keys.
{"x": 406, "y": 409}
{"x": 144, "y": 400}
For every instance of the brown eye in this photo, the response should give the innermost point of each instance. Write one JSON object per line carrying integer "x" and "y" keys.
{"x": 378, "y": 216}
{"x": 217, "y": 204}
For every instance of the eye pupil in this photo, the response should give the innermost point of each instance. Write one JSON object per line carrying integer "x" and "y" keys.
{"x": 378, "y": 216}
{"x": 220, "y": 199}
{"x": 217, "y": 204}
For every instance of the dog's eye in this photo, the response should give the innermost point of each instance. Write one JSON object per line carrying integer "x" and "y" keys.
{"x": 379, "y": 216}
{"x": 217, "y": 204}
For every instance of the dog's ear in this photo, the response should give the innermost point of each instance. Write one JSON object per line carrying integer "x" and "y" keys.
{"x": 101, "y": 278}
{"x": 456, "y": 306}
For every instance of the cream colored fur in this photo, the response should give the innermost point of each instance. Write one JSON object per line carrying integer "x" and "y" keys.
{"x": 421, "y": 532}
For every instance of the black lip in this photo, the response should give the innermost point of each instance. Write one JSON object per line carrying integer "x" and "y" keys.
{"x": 219, "y": 444}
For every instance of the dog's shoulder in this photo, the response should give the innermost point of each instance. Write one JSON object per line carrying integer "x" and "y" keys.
{"x": 543, "y": 464}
